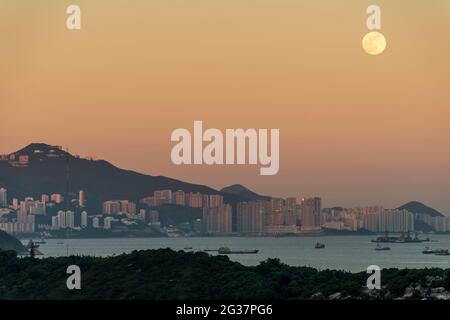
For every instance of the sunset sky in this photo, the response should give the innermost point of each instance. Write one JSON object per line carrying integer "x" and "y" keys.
{"x": 355, "y": 129}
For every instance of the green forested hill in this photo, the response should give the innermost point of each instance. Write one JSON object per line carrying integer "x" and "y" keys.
{"x": 165, "y": 274}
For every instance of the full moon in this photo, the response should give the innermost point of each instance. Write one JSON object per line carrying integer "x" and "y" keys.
{"x": 374, "y": 43}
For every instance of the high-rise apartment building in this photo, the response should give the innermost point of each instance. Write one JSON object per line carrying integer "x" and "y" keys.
{"x": 142, "y": 215}
{"x": 61, "y": 221}
{"x": 149, "y": 201}
{"x": 111, "y": 207}
{"x": 215, "y": 200}
{"x": 38, "y": 208}
{"x": 15, "y": 204}
{"x": 251, "y": 216}
{"x": 107, "y": 222}
{"x": 45, "y": 198}
{"x": 218, "y": 219}
{"x": 154, "y": 217}
{"x": 3, "y": 197}
{"x": 162, "y": 197}
{"x": 96, "y": 223}
{"x": 70, "y": 219}
{"x": 81, "y": 198}
{"x": 310, "y": 213}
{"x": 180, "y": 198}
{"x": 84, "y": 219}
{"x": 275, "y": 215}
{"x": 289, "y": 212}
{"x": 194, "y": 200}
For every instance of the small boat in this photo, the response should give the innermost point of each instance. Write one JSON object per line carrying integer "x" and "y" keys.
{"x": 319, "y": 245}
{"x": 443, "y": 252}
{"x": 226, "y": 250}
{"x": 381, "y": 248}
{"x": 60, "y": 243}
{"x": 187, "y": 248}
{"x": 428, "y": 250}
{"x": 210, "y": 250}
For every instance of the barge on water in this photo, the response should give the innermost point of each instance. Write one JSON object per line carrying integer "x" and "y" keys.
{"x": 401, "y": 239}
{"x": 226, "y": 250}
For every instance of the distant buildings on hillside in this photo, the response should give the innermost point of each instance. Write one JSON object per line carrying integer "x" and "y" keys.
{"x": 262, "y": 217}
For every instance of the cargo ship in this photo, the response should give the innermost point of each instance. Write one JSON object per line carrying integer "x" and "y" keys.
{"x": 226, "y": 250}
{"x": 428, "y": 250}
{"x": 443, "y": 252}
{"x": 437, "y": 252}
{"x": 401, "y": 239}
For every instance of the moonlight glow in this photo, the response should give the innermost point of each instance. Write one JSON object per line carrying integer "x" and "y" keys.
{"x": 374, "y": 43}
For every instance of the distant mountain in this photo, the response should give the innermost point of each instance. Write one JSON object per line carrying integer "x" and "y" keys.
{"x": 42, "y": 170}
{"x": 41, "y": 151}
{"x": 418, "y": 207}
{"x": 244, "y": 192}
{"x": 8, "y": 242}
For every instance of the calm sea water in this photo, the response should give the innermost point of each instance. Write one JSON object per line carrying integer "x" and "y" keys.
{"x": 351, "y": 253}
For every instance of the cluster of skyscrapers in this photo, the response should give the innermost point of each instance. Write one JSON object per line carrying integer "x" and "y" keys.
{"x": 278, "y": 215}
{"x": 440, "y": 224}
{"x": 260, "y": 217}
{"x": 181, "y": 198}
{"x": 371, "y": 218}
{"x": 217, "y": 216}
{"x": 29, "y": 210}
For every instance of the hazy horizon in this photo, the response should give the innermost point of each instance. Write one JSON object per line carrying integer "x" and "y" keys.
{"x": 221, "y": 187}
{"x": 355, "y": 129}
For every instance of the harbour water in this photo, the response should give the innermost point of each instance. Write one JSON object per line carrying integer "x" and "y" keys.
{"x": 350, "y": 253}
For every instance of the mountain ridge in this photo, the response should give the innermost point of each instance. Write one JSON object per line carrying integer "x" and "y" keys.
{"x": 45, "y": 173}
{"x": 238, "y": 189}
{"x": 419, "y": 207}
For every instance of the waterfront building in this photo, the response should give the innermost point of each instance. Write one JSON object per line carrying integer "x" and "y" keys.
{"x": 96, "y": 223}
{"x": 84, "y": 219}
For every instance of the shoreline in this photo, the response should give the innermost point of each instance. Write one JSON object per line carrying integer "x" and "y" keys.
{"x": 137, "y": 236}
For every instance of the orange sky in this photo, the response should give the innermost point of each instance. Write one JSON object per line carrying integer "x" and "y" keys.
{"x": 355, "y": 129}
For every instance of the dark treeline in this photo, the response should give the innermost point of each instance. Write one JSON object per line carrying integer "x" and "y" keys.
{"x": 166, "y": 274}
